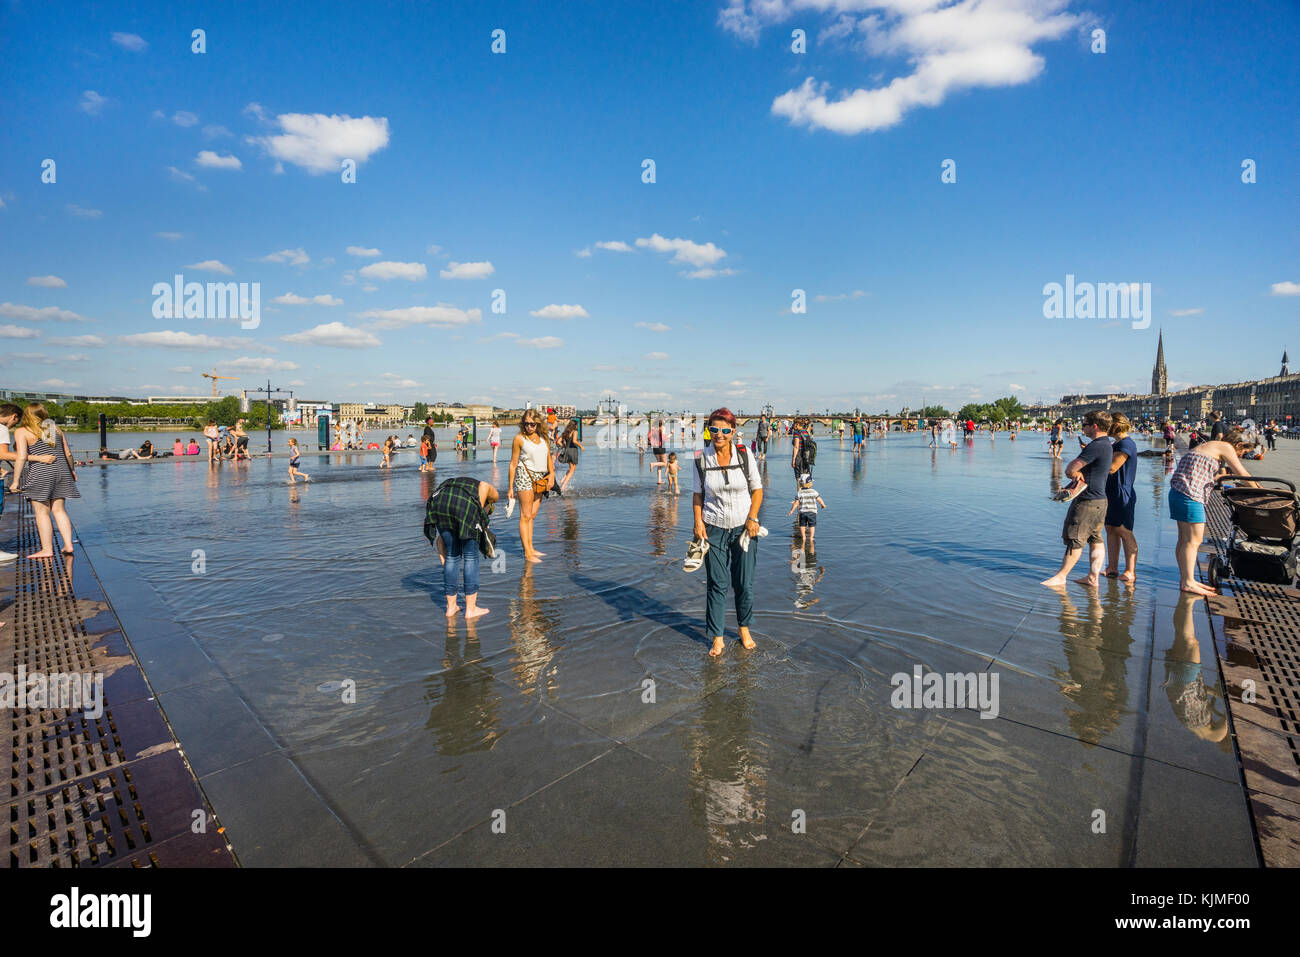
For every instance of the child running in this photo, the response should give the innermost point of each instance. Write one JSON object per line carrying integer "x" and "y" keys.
{"x": 295, "y": 459}
{"x": 673, "y": 468}
{"x": 387, "y": 463}
{"x": 807, "y": 502}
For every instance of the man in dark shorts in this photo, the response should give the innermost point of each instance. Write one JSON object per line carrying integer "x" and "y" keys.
{"x": 1218, "y": 428}
{"x": 1087, "y": 515}
{"x": 762, "y": 436}
{"x": 429, "y": 434}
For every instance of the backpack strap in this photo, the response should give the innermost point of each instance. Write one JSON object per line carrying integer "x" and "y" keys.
{"x": 743, "y": 466}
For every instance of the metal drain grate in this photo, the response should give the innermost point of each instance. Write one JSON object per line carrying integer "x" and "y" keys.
{"x": 1267, "y": 610}
{"x": 1278, "y": 656}
{"x": 86, "y": 823}
{"x": 69, "y": 800}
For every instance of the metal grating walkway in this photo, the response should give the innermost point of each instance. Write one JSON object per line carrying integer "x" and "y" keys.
{"x": 1257, "y": 633}
{"x": 86, "y": 790}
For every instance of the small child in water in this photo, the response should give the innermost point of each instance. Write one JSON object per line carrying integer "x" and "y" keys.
{"x": 673, "y": 468}
{"x": 295, "y": 459}
{"x": 807, "y": 502}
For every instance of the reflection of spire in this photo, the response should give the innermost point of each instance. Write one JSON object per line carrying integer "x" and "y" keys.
{"x": 1159, "y": 376}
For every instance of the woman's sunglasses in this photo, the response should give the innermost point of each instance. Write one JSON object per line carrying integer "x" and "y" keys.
{"x": 723, "y": 431}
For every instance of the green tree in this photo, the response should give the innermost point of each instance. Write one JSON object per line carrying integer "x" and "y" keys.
{"x": 421, "y": 411}
{"x": 935, "y": 412}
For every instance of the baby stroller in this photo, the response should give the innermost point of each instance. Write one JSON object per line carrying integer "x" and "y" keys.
{"x": 1263, "y": 545}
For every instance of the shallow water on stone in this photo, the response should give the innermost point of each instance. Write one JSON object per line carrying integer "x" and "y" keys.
{"x": 923, "y": 557}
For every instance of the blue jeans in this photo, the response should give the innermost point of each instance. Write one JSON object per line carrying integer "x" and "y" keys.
{"x": 726, "y": 562}
{"x": 459, "y": 554}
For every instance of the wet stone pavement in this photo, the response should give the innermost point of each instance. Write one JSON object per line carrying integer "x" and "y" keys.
{"x": 581, "y": 721}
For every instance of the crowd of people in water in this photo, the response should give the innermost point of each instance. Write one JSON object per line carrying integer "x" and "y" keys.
{"x": 728, "y": 487}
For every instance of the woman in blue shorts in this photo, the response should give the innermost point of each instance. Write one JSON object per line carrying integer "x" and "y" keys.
{"x": 1189, "y": 490}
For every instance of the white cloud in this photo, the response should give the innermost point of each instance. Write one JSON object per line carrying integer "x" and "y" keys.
{"x": 92, "y": 342}
{"x": 1015, "y": 388}
{"x": 181, "y": 176}
{"x": 615, "y": 245}
{"x": 1185, "y": 312}
{"x": 855, "y": 294}
{"x": 442, "y": 316}
{"x": 259, "y": 364}
{"x": 369, "y": 288}
{"x": 211, "y": 160}
{"x": 708, "y": 273}
{"x": 289, "y": 299}
{"x": 58, "y": 384}
{"x": 40, "y": 358}
{"x": 18, "y": 332}
{"x": 559, "y": 311}
{"x": 130, "y": 41}
{"x": 212, "y": 131}
{"x": 457, "y": 270}
{"x": 334, "y": 334}
{"x": 92, "y": 103}
{"x": 180, "y": 370}
{"x": 185, "y": 118}
{"x": 657, "y": 356}
{"x": 49, "y": 282}
{"x": 684, "y": 250}
{"x": 435, "y": 250}
{"x": 1286, "y": 288}
{"x": 32, "y": 314}
{"x": 542, "y": 342}
{"x": 211, "y": 265}
{"x": 653, "y": 326}
{"x": 319, "y": 143}
{"x": 950, "y": 47}
{"x": 84, "y": 213}
{"x": 173, "y": 339}
{"x": 395, "y": 270}
{"x": 294, "y": 257}
{"x": 498, "y": 336}
{"x": 170, "y": 236}
{"x": 583, "y": 253}
{"x": 363, "y": 252}
{"x": 257, "y": 112}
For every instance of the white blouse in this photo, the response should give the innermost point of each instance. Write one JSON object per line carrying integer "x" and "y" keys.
{"x": 726, "y": 493}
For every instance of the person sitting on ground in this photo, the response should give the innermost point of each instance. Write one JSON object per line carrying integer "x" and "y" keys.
{"x": 178, "y": 447}
{"x": 145, "y": 452}
{"x": 192, "y": 448}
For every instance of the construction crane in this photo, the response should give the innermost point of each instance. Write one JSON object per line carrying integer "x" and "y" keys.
{"x": 214, "y": 377}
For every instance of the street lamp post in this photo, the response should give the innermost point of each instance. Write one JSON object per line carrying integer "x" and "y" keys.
{"x": 269, "y": 392}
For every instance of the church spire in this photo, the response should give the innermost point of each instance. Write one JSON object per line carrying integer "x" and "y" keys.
{"x": 1159, "y": 376}
{"x": 1284, "y": 371}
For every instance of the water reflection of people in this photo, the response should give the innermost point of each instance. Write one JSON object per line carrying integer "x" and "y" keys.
{"x": 465, "y": 714}
{"x": 807, "y": 573}
{"x": 1097, "y": 649}
{"x": 663, "y": 519}
{"x": 1193, "y": 703}
{"x": 531, "y": 627}
{"x": 728, "y": 770}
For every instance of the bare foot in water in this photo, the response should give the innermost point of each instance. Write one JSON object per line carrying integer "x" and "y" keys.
{"x": 533, "y": 558}
{"x": 1129, "y": 577}
{"x": 41, "y": 555}
{"x": 475, "y": 612}
{"x": 719, "y": 646}
{"x": 1056, "y": 581}
{"x": 1088, "y": 582}
{"x": 452, "y": 608}
{"x": 746, "y": 641}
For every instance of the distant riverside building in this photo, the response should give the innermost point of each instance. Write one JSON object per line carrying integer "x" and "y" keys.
{"x": 179, "y": 399}
{"x": 1277, "y": 398}
{"x": 61, "y": 398}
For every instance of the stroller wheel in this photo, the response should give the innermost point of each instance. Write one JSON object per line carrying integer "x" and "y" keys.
{"x": 1218, "y": 569}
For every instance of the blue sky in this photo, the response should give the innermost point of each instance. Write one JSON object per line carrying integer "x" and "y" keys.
{"x": 491, "y": 171}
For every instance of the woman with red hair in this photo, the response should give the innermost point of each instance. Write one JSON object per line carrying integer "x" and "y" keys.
{"x": 728, "y": 494}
